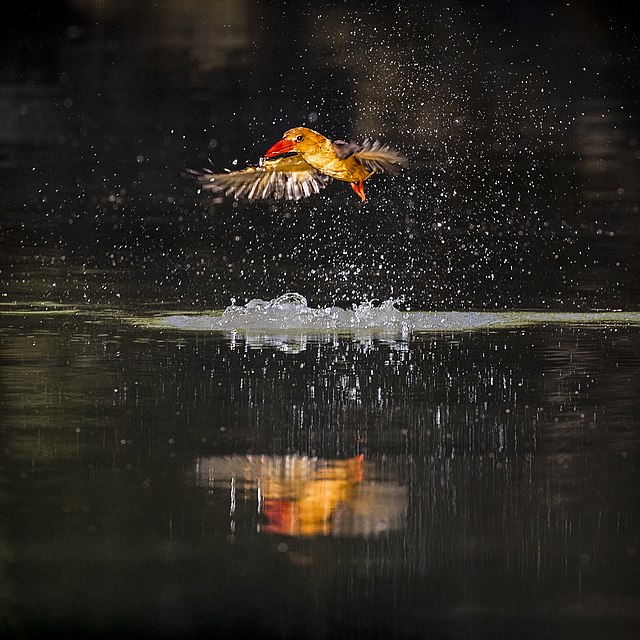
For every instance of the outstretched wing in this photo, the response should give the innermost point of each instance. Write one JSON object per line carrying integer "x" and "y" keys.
{"x": 375, "y": 156}
{"x": 288, "y": 177}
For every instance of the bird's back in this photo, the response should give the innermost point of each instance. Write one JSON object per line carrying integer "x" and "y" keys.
{"x": 325, "y": 160}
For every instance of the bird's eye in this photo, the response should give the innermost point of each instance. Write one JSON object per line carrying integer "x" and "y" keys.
{"x": 299, "y": 138}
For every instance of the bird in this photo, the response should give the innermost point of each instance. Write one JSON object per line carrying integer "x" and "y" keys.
{"x": 302, "y": 163}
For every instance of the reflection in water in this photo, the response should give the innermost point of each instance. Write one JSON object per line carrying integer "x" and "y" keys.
{"x": 498, "y": 495}
{"x": 225, "y": 483}
{"x": 303, "y": 496}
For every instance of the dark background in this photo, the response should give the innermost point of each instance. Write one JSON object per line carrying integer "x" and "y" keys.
{"x": 521, "y": 121}
{"x": 517, "y": 449}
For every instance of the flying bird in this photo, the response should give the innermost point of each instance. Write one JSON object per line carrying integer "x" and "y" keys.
{"x": 303, "y": 162}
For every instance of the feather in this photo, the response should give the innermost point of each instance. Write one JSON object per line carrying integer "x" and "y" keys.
{"x": 288, "y": 177}
{"x": 375, "y": 156}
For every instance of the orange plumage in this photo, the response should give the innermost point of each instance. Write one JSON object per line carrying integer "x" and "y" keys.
{"x": 303, "y": 162}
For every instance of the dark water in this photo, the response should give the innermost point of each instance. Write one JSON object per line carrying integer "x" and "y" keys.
{"x": 174, "y": 484}
{"x": 467, "y": 483}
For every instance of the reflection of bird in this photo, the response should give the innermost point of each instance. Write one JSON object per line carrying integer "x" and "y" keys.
{"x": 305, "y": 505}
{"x": 302, "y": 163}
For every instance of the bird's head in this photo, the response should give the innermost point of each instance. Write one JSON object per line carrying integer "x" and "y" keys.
{"x": 296, "y": 140}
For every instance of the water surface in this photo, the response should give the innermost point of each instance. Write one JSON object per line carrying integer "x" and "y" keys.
{"x": 458, "y": 482}
{"x": 433, "y": 435}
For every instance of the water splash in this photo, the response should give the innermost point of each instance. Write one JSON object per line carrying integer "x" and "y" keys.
{"x": 290, "y": 313}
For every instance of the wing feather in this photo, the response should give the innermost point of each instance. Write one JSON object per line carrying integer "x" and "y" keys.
{"x": 288, "y": 177}
{"x": 373, "y": 154}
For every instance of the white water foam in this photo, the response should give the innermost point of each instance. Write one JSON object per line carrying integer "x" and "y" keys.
{"x": 290, "y": 313}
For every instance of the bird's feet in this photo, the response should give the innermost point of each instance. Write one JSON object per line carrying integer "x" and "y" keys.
{"x": 358, "y": 187}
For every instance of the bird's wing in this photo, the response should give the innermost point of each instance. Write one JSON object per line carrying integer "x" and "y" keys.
{"x": 375, "y": 156}
{"x": 288, "y": 177}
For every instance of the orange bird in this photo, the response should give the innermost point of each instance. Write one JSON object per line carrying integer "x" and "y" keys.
{"x": 303, "y": 162}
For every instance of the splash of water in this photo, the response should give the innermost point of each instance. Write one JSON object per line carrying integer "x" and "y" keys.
{"x": 290, "y": 311}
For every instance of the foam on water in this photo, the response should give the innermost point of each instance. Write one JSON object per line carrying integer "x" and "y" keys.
{"x": 289, "y": 315}
{"x": 290, "y": 312}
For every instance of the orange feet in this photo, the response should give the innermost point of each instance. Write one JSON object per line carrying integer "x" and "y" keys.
{"x": 358, "y": 187}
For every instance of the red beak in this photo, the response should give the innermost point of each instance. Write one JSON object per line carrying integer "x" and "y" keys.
{"x": 280, "y": 147}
